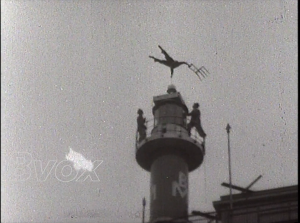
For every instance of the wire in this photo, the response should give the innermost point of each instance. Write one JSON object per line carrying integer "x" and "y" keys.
{"x": 205, "y": 185}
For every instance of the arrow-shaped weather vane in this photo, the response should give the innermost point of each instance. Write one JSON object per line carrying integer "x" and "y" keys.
{"x": 170, "y": 62}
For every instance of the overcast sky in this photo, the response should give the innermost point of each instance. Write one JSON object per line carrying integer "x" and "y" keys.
{"x": 74, "y": 74}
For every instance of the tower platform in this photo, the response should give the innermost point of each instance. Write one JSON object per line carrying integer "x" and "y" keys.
{"x": 170, "y": 139}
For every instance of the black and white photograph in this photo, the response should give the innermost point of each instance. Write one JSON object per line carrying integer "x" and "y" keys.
{"x": 150, "y": 111}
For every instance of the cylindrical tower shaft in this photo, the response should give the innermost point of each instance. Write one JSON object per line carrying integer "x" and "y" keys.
{"x": 169, "y": 188}
{"x": 169, "y": 153}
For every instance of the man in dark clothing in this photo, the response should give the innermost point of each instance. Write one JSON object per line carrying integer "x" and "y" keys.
{"x": 141, "y": 127}
{"x": 195, "y": 121}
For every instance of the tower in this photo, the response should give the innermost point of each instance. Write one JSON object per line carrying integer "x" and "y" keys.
{"x": 169, "y": 154}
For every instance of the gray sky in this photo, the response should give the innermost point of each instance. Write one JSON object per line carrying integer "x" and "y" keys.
{"x": 74, "y": 74}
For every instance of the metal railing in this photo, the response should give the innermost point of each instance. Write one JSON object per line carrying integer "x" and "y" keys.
{"x": 178, "y": 125}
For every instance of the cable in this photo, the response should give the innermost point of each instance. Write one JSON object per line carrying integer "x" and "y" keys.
{"x": 205, "y": 185}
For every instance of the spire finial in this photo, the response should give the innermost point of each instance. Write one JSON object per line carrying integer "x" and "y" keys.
{"x": 228, "y": 128}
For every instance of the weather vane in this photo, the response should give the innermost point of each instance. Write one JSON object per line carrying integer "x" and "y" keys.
{"x": 170, "y": 62}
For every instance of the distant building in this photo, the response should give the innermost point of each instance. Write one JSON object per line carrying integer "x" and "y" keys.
{"x": 279, "y": 205}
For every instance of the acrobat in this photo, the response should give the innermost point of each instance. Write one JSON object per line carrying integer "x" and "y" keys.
{"x": 170, "y": 62}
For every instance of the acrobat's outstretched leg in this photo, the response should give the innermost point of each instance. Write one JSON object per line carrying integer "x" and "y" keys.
{"x": 168, "y": 58}
{"x": 155, "y": 59}
{"x": 159, "y": 61}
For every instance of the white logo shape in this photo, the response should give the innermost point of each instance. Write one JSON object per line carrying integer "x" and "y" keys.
{"x": 79, "y": 162}
{"x": 181, "y": 186}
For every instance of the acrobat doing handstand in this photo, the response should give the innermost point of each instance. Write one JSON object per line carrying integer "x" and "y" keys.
{"x": 170, "y": 62}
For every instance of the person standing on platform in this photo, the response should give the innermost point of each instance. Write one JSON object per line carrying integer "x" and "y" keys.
{"x": 141, "y": 127}
{"x": 196, "y": 121}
